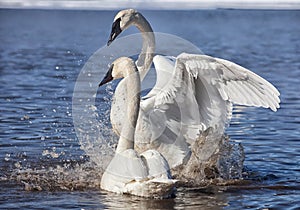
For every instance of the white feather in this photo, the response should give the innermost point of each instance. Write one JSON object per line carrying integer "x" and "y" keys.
{"x": 191, "y": 94}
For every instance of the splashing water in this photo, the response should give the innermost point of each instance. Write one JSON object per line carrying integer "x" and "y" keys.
{"x": 91, "y": 110}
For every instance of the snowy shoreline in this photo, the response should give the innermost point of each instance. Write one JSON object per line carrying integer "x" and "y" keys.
{"x": 150, "y": 5}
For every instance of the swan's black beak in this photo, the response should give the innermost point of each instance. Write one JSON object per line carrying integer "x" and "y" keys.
{"x": 108, "y": 77}
{"x": 115, "y": 31}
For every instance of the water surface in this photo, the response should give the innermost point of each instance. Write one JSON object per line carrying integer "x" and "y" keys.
{"x": 42, "y": 53}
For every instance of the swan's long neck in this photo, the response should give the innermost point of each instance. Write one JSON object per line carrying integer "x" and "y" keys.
{"x": 146, "y": 56}
{"x": 133, "y": 86}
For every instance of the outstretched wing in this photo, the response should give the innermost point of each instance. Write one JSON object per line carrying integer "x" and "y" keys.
{"x": 199, "y": 94}
{"x": 164, "y": 69}
{"x": 215, "y": 84}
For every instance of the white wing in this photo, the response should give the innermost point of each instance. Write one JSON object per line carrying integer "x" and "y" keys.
{"x": 199, "y": 94}
{"x": 164, "y": 69}
{"x": 215, "y": 84}
{"x": 127, "y": 166}
{"x": 147, "y": 175}
{"x": 156, "y": 164}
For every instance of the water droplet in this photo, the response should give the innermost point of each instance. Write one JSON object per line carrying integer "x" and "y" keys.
{"x": 17, "y": 165}
{"x": 93, "y": 108}
{"x": 7, "y": 157}
{"x": 25, "y": 117}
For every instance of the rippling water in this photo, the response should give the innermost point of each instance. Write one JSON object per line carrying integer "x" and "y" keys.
{"x": 42, "y": 53}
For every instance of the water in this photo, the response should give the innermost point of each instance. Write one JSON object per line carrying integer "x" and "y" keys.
{"x": 42, "y": 53}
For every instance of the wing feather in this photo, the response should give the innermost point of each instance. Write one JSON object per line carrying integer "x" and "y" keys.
{"x": 220, "y": 80}
{"x": 197, "y": 94}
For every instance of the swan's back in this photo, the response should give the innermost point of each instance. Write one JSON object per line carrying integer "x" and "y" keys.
{"x": 146, "y": 176}
{"x": 124, "y": 168}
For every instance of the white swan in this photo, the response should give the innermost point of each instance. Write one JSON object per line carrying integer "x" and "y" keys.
{"x": 148, "y": 174}
{"x": 197, "y": 94}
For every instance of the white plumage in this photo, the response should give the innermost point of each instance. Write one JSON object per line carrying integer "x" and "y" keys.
{"x": 147, "y": 174}
{"x": 192, "y": 93}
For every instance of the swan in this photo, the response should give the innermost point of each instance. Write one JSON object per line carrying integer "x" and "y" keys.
{"x": 147, "y": 174}
{"x": 198, "y": 94}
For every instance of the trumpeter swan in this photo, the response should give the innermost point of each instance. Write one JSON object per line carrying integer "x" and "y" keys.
{"x": 197, "y": 95}
{"x": 147, "y": 174}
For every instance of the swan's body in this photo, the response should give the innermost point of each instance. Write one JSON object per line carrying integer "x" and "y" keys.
{"x": 197, "y": 94}
{"x": 148, "y": 174}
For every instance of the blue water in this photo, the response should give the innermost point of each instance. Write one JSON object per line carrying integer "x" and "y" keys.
{"x": 42, "y": 52}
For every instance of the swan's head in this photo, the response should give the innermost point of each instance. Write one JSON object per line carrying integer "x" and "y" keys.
{"x": 122, "y": 21}
{"x": 118, "y": 69}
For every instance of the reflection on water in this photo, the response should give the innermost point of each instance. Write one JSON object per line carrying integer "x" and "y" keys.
{"x": 41, "y": 162}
